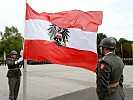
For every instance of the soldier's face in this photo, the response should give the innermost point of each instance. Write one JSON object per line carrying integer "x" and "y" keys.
{"x": 14, "y": 56}
{"x": 103, "y": 50}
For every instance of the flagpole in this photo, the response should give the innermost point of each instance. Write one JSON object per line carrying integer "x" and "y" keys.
{"x": 4, "y": 58}
{"x": 25, "y": 72}
{"x": 25, "y": 80}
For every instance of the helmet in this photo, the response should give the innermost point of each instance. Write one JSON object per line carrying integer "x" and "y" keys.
{"x": 108, "y": 43}
{"x": 14, "y": 52}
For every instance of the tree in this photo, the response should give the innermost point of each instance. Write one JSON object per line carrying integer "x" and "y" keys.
{"x": 0, "y": 49}
{"x": 124, "y": 49}
{"x": 100, "y": 36}
{"x": 10, "y": 40}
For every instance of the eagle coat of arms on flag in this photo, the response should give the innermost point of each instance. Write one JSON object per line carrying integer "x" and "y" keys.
{"x": 58, "y": 35}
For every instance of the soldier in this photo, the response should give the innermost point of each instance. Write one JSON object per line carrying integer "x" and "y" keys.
{"x": 109, "y": 72}
{"x": 14, "y": 75}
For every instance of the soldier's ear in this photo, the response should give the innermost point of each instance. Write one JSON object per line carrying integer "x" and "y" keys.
{"x": 106, "y": 48}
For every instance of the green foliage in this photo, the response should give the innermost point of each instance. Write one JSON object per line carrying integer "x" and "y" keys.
{"x": 10, "y": 40}
{"x": 0, "y": 49}
{"x": 123, "y": 47}
{"x": 100, "y": 36}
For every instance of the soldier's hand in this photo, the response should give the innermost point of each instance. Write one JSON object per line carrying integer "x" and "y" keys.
{"x": 19, "y": 60}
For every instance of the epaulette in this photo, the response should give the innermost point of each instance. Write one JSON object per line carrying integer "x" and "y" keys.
{"x": 102, "y": 58}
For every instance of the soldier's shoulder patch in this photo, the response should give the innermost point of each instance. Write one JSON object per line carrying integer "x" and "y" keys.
{"x": 102, "y": 66}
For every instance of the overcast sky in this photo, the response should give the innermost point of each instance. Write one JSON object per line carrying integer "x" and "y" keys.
{"x": 117, "y": 14}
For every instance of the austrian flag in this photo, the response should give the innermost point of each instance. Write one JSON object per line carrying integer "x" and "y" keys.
{"x": 67, "y": 37}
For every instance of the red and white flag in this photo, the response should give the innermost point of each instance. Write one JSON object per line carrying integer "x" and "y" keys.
{"x": 67, "y": 37}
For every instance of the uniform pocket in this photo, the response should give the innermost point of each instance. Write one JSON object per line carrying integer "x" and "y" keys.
{"x": 10, "y": 73}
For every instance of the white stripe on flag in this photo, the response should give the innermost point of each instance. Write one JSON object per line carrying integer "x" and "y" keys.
{"x": 82, "y": 40}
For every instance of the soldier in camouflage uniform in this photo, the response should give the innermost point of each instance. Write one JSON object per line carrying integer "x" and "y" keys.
{"x": 14, "y": 75}
{"x": 109, "y": 72}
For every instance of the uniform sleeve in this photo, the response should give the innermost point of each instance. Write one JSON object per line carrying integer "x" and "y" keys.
{"x": 105, "y": 70}
{"x": 10, "y": 62}
{"x": 121, "y": 80}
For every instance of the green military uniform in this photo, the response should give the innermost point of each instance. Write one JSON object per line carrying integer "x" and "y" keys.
{"x": 110, "y": 78}
{"x": 13, "y": 75}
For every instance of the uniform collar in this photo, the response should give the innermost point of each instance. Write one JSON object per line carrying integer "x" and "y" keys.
{"x": 108, "y": 53}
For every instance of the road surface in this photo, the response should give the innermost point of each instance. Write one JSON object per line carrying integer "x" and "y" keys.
{"x": 58, "y": 82}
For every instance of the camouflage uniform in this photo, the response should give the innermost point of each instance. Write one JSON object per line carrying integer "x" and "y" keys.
{"x": 110, "y": 78}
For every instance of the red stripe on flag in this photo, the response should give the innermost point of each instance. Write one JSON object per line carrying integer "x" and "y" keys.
{"x": 87, "y": 21}
{"x": 31, "y": 14}
{"x": 40, "y": 50}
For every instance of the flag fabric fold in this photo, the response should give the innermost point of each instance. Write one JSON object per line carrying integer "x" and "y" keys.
{"x": 67, "y": 37}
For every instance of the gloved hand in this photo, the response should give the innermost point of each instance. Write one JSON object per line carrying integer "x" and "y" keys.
{"x": 19, "y": 60}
